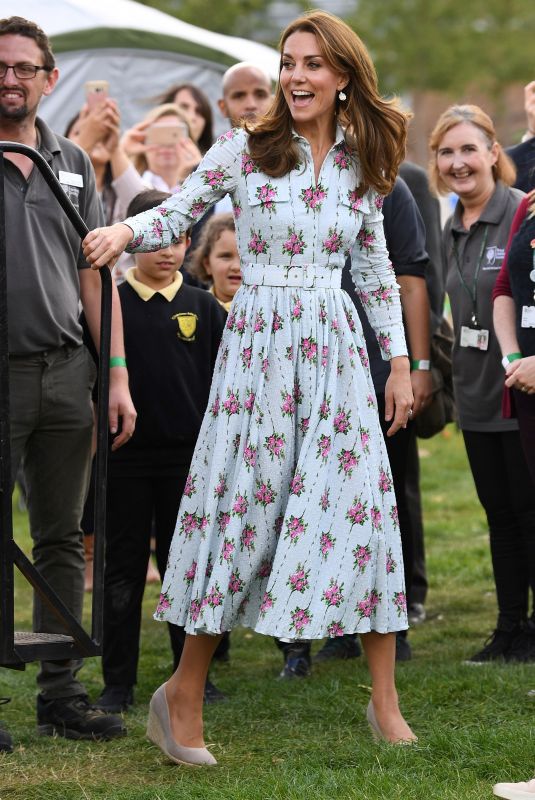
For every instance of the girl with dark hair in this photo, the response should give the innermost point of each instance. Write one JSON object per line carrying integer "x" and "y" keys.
{"x": 197, "y": 109}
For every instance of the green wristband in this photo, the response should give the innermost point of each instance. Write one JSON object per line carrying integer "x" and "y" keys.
{"x": 420, "y": 363}
{"x": 117, "y": 361}
{"x": 513, "y": 357}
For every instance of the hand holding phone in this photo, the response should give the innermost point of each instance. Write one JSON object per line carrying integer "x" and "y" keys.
{"x": 96, "y": 93}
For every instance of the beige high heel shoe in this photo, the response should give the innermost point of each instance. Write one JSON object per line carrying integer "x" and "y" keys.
{"x": 159, "y": 733}
{"x": 377, "y": 733}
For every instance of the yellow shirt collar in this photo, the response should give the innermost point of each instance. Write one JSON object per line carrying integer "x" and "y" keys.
{"x": 226, "y": 305}
{"x": 145, "y": 292}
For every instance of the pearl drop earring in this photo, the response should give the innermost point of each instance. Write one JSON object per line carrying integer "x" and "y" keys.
{"x": 342, "y": 96}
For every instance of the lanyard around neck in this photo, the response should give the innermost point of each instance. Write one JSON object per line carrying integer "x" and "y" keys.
{"x": 471, "y": 290}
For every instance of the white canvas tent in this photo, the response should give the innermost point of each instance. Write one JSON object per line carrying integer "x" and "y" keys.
{"x": 139, "y": 50}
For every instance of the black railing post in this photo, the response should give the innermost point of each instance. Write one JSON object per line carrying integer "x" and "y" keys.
{"x": 6, "y": 521}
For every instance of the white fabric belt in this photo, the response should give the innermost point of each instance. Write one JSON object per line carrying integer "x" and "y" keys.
{"x": 307, "y": 276}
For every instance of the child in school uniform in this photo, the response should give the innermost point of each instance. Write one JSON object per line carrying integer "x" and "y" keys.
{"x": 216, "y": 261}
{"x": 172, "y": 333}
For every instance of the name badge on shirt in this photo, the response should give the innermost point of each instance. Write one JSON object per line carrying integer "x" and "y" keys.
{"x": 71, "y": 179}
{"x": 474, "y": 337}
{"x": 528, "y": 317}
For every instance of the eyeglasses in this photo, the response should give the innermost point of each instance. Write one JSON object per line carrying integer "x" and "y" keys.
{"x": 24, "y": 72}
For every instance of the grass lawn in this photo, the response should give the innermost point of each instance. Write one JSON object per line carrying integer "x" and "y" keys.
{"x": 308, "y": 738}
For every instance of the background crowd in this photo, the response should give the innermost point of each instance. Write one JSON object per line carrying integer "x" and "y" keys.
{"x": 490, "y": 234}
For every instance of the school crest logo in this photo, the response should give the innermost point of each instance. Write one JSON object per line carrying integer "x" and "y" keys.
{"x": 187, "y": 325}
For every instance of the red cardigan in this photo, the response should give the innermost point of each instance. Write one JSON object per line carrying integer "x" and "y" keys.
{"x": 502, "y": 285}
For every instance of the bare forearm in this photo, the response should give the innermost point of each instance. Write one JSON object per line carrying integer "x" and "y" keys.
{"x": 504, "y": 324}
{"x": 415, "y": 304}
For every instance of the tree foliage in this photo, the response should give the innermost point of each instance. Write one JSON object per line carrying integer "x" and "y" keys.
{"x": 448, "y": 44}
{"x": 233, "y": 17}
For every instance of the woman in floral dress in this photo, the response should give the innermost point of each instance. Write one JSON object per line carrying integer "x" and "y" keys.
{"x": 288, "y": 522}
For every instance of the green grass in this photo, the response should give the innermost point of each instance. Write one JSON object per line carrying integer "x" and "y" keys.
{"x": 308, "y": 739}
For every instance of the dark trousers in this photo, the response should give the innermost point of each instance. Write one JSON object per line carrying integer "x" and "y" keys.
{"x": 133, "y": 504}
{"x": 507, "y": 494}
{"x": 418, "y": 590}
{"x": 51, "y": 426}
{"x": 525, "y": 411}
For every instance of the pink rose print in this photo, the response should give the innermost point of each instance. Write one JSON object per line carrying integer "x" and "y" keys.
{"x": 383, "y": 295}
{"x": 257, "y": 246}
{"x": 325, "y": 408}
{"x": 236, "y": 443}
{"x": 249, "y": 402}
{"x": 379, "y": 202}
{"x": 297, "y": 309}
{"x": 350, "y": 321}
{"x": 363, "y": 355}
{"x": 277, "y": 323}
{"x": 278, "y": 524}
{"x": 265, "y": 366}
{"x": 223, "y": 519}
{"x": 300, "y": 619}
{"x": 385, "y": 481}
{"x": 366, "y": 239}
{"x": 367, "y": 606}
{"x": 245, "y": 356}
{"x": 215, "y": 178}
{"x": 189, "y": 488}
{"x": 248, "y": 535}
{"x": 322, "y": 314}
{"x": 309, "y": 350}
{"x": 377, "y": 517}
{"x": 295, "y": 244}
{"x": 223, "y": 359}
{"x": 250, "y": 456}
{"x": 335, "y": 629}
{"x": 235, "y": 584}
{"x": 335, "y": 327}
{"x": 203, "y": 522}
{"x": 385, "y": 342}
{"x": 355, "y": 201}
{"x": 164, "y": 604}
{"x": 341, "y": 421}
{"x": 370, "y": 400}
{"x": 267, "y": 603}
{"x": 333, "y": 243}
{"x": 241, "y": 325}
{"x": 227, "y": 136}
{"x": 324, "y": 355}
{"x": 267, "y": 195}
{"x": 274, "y": 444}
{"x": 297, "y": 393}
{"x": 357, "y": 514}
{"x": 137, "y": 241}
{"x": 195, "y": 610}
{"x": 157, "y": 228}
{"x": 237, "y": 209}
{"x": 227, "y": 550}
{"x": 333, "y": 596}
{"x": 188, "y": 524}
{"x": 214, "y": 408}
{"x": 304, "y": 425}
{"x": 391, "y": 565}
{"x": 364, "y": 297}
{"x": 298, "y": 582}
{"x": 221, "y": 486}
{"x": 259, "y": 323}
{"x": 163, "y": 211}
{"x": 347, "y": 461}
{"x": 313, "y": 197}
{"x": 214, "y": 598}
{"x": 295, "y": 527}
{"x": 324, "y": 447}
{"x": 288, "y": 405}
{"x": 264, "y": 570}
{"x": 231, "y": 320}
{"x": 394, "y": 516}
{"x": 325, "y": 503}
{"x": 189, "y": 574}
{"x": 297, "y": 484}
{"x": 365, "y": 440}
{"x": 265, "y": 494}
{"x": 241, "y": 504}
{"x": 342, "y": 158}
{"x": 361, "y": 556}
{"x": 400, "y": 601}
{"x": 248, "y": 166}
{"x": 327, "y": 543}
{"x": 197, "y": 208}
{"x": 232, "y": 404}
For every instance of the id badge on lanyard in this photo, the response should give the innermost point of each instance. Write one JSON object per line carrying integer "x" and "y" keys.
{"x": 528, "y": 312}
{"x": 473, "y": 335}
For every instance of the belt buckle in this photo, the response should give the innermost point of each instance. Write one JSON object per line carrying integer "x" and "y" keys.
{"x": 309, "y": 278}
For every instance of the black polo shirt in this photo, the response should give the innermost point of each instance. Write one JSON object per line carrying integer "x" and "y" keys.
{"x": 43, "y": 249}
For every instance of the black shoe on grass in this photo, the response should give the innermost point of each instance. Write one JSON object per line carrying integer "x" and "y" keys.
{"x": 495, "y": 649}
{"x": 212, "y": 694}
{"x": 339, "y": 647}
{"x": 6, "y": 742}
{"x": 115, "y": 699}
{"x": 75, "y": 718}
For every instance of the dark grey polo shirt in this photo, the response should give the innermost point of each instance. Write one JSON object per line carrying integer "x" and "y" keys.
{"x": 43, "y": 249}
{"x": 478, "y": 375}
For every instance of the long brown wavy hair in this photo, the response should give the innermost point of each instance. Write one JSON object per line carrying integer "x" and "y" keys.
{"x": 375, "y": 128}
{"x": 503, "y": 170}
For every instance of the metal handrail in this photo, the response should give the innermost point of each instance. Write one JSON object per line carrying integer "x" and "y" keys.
{"x": 10, "y": 553}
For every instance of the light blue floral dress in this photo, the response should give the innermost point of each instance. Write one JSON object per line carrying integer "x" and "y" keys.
{"x": 288, "y": 523}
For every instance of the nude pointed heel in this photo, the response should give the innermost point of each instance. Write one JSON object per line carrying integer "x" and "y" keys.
{"x": 159, "y": 733}
{"x": 377, "y": 732}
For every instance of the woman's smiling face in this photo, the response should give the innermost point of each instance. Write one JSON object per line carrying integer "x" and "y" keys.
{"x": 465, "y": 160}
{"x": 308, "y": 82}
